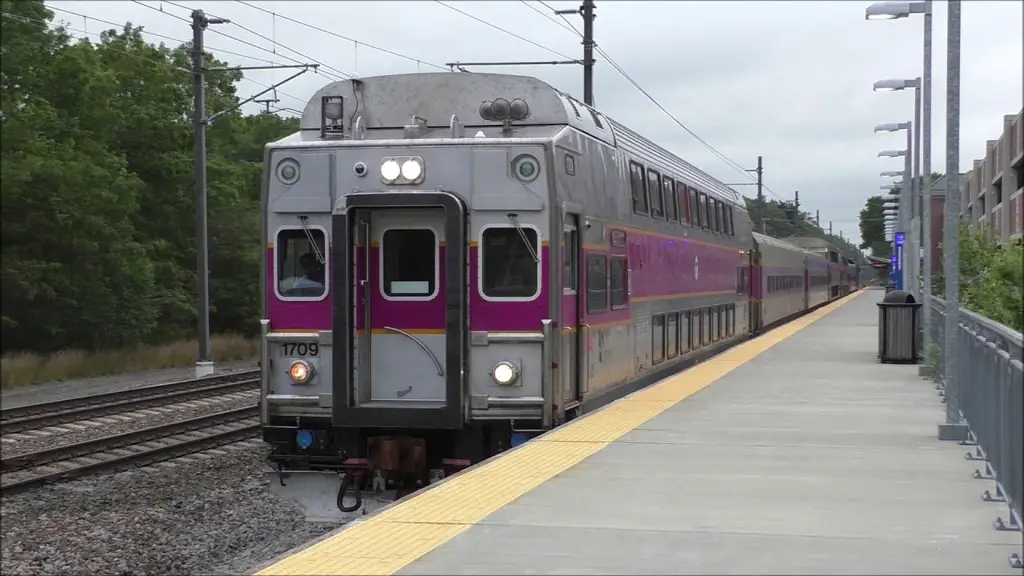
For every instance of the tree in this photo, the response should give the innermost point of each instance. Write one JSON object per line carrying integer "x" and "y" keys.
{"x": 872, "y": 228}
{"x": 991, "y": 277}
{"x": 97, "y": 189}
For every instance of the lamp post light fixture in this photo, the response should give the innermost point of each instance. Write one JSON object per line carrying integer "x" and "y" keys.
{"x": 893, "y": 10}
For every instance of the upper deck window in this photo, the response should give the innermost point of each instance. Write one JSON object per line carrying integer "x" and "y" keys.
{"x": 409, "y": 264}
{"x": 508, "y": 270}
{"x": 671, "y": 205}
{"x": 654, "y": 189}
{"x": 638, "y": 188}
{"x": 301, "y": 263}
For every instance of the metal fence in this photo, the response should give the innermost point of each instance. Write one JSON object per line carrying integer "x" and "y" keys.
{"x": 990, "y": 369}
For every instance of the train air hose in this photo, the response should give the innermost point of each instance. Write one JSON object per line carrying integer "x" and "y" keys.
{"x": 346, "y": 482}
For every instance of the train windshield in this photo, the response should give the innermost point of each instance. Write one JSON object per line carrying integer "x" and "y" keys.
{"x": 509, "y": 268}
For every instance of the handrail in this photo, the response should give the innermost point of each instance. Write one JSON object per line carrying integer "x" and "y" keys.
{"x": 988, "y": 394}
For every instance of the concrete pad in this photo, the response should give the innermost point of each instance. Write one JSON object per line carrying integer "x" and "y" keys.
{"x": 812, "y": 458}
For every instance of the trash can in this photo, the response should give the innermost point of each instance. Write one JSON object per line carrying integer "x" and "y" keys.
{"x": 899, "y": 328}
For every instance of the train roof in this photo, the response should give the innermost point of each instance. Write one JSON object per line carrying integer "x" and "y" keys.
{"x": 390, "y": 103}
{"x": 763, "y": 240}
{"x": 811, "y": 243}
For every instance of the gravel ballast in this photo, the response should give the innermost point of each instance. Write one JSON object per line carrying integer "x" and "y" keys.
{"x": 207, "y": 513}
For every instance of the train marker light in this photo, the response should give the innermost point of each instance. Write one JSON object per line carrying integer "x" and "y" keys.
{"x": 300, "y": 371}
{"x": 505, "y": 373}
{"x": 401, "y": 169}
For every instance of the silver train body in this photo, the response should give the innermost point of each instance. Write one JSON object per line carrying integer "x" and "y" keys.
{"x": 458, "y": 262}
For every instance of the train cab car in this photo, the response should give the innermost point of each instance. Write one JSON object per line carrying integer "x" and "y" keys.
{"x": 458, "y": 262}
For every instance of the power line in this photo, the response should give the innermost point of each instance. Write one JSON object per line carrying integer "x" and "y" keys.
{"x": 500, "y": 29}
{"x": 346, "y": 38}
{"x": 246, "y": 42}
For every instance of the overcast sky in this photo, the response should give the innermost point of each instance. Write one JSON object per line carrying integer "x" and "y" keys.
{"x": 790, "y": 81}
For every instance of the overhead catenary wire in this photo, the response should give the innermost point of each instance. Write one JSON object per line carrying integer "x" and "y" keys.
{"x": 341, "y": 36}
{"x": 336, "y": 75}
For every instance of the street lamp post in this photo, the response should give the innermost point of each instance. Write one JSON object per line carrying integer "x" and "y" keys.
{"x": 953, "y": 428}
{"x": 904, "y": 281}
{"x": 907, "y": 211}
{"x": 921, "y": 208}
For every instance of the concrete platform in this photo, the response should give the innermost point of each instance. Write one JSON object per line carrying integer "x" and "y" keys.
{"x": 812, "y": 458}
{"x": 797, "y": 454}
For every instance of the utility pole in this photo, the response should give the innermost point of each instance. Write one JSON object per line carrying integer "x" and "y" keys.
{"x": 830, "y": 228}
{"x": 200, "y": 122}
{"x": 760, "y": 192}
{"x": 817, "y": 219}
{"x": 588, "y": 51}
{"x": 796, "y": 202}
{"x": 204, "y": 362}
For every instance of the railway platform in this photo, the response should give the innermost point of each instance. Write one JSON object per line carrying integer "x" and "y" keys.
{"x": 792, "y": 453}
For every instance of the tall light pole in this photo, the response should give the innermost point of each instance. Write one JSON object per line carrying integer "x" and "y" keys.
{"x": 907, "y": 211}
{"x": 954, "y": 428}
{"x": 921, "y": 209}
{"x": 903, "y": 279}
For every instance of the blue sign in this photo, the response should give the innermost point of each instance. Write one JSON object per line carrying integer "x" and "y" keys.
{"x": 899, "y": 238}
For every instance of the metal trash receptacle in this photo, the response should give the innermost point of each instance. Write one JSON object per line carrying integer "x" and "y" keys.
{"x": 899, "y": 328}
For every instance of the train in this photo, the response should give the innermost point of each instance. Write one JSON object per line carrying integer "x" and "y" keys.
{"x": 456, "y": 263}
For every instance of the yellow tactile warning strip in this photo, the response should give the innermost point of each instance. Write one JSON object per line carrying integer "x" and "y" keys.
{"x": 388, "y": 541}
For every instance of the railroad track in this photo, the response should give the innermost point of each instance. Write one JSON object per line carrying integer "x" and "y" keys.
{"x": 128, "y": 450}
{"x": 72, "y": 410}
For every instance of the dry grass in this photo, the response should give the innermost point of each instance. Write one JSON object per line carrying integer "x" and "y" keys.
{"x": 26, "y": 368}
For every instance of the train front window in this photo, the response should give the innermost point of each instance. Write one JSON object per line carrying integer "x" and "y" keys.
{"x": 301, "y": 263}
{"x": 507, "y": 264}
{"x": 409, "y": 263}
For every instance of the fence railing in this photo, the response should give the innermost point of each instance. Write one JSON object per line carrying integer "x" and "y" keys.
{"x": 990, "y": 399}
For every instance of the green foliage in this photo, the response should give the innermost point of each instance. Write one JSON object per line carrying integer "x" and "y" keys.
{"x": 872, "y": 228}
{"x": 98, "y": 191}
{"x": 991, "y": 277}
{"x": 783, "y": 220}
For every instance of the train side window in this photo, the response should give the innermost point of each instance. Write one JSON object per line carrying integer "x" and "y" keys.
{"x": 409, "y": 264}
{"x": 618, "y": 279}
{"x": 709, "y": 213}
{"x": 638, "y": 188}
{"x": 713, "y": 209}
{"x": 301, "y": 263}
{"x": 684, "y": 331}
{"x": 657, "y": 338}
{"x": 701, "y": 211}
{"x": 508, "y": 270}
{"x": 671, "y": 202}
{"x": 597, "y": 283}
{"x": 654, "y": 191}
{"x": 729, "y": 223}
{"x": 570, "y": 250}
{"x": 683, "y": 193}
{"x": 695, "y": 218}
{"x": 672, "y": 333}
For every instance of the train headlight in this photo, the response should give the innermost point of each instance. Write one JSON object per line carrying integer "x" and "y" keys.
{"x": 412, "y": 169}
{"x": 390, "y": 171}
{"x": 300, "y": 371}
{"x": 505, "y": 373}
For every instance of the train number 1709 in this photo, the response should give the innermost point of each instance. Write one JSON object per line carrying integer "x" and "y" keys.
{"x": 300, "y": 349}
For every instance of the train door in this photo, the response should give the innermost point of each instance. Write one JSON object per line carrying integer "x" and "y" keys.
{"x": 400, "y": 332}
{"x": 754, "y": 291}
{"x": 573, "y": 377}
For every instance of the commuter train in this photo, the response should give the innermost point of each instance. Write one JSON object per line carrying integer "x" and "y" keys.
{"x": 458, "y": 262}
